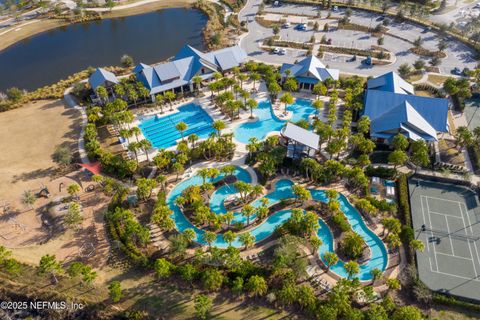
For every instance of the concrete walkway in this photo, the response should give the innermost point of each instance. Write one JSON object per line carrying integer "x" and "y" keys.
{"x": 70, "y": 101}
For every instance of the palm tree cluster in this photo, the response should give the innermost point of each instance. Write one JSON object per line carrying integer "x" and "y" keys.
{"x": 268, "y": 154}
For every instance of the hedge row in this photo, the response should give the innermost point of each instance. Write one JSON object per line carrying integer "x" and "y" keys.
{"x": 428, "y": 87}
{"x": 403, "y": 202}
{"x": 474, "y": 154}
{"x": 451, "y": 301}
{"x": 354, "y": 51}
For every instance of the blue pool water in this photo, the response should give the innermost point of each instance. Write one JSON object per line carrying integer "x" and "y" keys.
{"x": 161, "y": 131}
{"x": 283, "y": 190}
{"x": 268, "y": 122}
{"x": 379, "y": 254}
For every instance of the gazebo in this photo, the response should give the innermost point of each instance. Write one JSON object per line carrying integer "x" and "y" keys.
{"x": 300, "y": 142}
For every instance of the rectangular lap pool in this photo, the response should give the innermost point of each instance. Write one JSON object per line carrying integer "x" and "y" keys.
{"x": 161, "y": 131}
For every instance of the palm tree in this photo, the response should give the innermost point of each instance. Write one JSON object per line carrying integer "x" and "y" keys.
{"x": 189, "y": 234}
{"x": 229, "y": 236}
{"x": 253, "y": 146}
{"x": 248, "y": 211}
{"x": 352, "y": 268}
{"x": 192, "y": 139}
{"x": 135, "y": 131}
{"x": 287, "y": 98}
{"x": 181, "y": 126}
{"x": 331, "y": 259}
{"x": 209, "y": 237}
{"x": 126, "y": 134}
{"x": 247, "y": 239}
{"x": 254, "y": 76}
{"x": 170, "y": 95}
{"x": 146, "y": 146}
{"x": 251, "y": 104}
{"x": 102, "y": 94}
{"x": 242, "y": 77}
{"x": 229, "y": 216}
{"x": 318, "y": 105}
{"x": 134, "y": 147}
{"x": 160, "y": 100}
{"x": 133, "y": 96}
{"x": 197, "y": 80}
{"x": 376, "y": 274}
{"x": 218, "y": 125}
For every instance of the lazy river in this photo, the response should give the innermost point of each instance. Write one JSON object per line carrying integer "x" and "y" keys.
{"x": 283, "y": 190}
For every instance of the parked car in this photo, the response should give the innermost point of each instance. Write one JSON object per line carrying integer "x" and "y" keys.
{"x": 282, "y": 51}
{"x": 286, "y": 25}
{"x": 427, "y": 29}
{"x": 329, "y": 41}
{"x": 335, "y": 9}
{"x": 477, "y": 6}
{"x": 456, "y": 71}
{"x": 352, "y": 59}
{"x": 368, "y": 61}
{"x": 381, "y": 18}
{"x": 301, "y": 27}
{"x": 277, "y": 4}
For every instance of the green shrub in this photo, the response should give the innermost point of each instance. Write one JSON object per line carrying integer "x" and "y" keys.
{"x": 382, "y": 172}
{"x": 451, "y": 301}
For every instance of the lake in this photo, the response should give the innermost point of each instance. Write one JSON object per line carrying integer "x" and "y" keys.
{"x": 53, "y": 55}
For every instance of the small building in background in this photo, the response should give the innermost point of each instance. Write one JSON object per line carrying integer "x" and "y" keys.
{"x": 308, "y": 72}
{"x": 300, "y": 142}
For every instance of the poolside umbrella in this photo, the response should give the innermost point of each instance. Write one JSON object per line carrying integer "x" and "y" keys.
{"x": 93, "y": 167}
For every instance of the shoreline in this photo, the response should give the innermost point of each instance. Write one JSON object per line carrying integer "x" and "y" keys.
{"x": 35, "y": 27}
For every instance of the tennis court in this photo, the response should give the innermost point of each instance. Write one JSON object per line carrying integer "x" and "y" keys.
{"x": 446, "y": 217}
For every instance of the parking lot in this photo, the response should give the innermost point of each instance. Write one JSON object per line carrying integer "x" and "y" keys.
{"x": 446, "y": 218}
{"x": 458, "y": 55}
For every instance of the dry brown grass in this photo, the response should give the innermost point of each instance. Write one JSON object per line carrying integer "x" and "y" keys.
{"x": 449, "y": 153}
{"x": 436, "y": 79}
{"x": 29, "y": 137}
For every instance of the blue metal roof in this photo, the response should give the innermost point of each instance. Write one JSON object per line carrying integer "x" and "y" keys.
{"x": 403, "y": 119}
{"x": 310, "y": 67}
{"x": 390, "y": 82}
{"x": 187, "y": 63}
{"x": 379, "y": 104}
{"x": 101, "y": 77}
{"x": 167, "y": 71}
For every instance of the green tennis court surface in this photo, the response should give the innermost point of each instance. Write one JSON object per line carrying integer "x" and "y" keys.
{"x": 446, "y": 217}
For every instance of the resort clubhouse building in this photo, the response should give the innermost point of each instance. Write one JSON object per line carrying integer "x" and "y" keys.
{"x": 177, "y": 74}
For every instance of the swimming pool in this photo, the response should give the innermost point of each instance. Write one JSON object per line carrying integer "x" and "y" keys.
{"x": 161, "y": 131}
{"x": 268, "y": 122}
{"x": 283, "y": 190}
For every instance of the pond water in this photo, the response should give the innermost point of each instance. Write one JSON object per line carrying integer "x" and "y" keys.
{"x": 53, "y": 55}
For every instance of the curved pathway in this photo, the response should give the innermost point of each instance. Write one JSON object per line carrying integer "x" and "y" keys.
{"x": 70, "y": 100}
